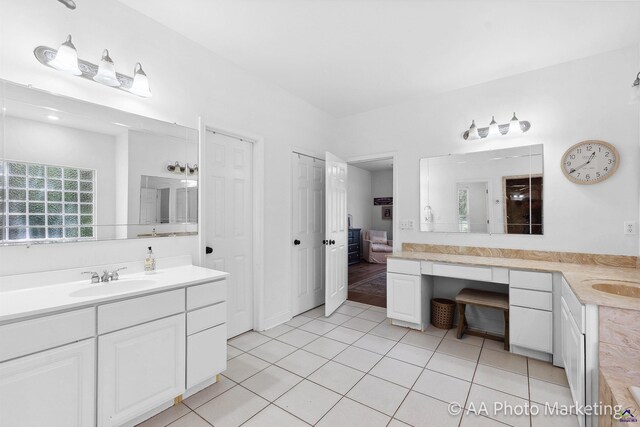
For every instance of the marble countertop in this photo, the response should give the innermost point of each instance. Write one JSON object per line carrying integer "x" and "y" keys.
{"x": 38, "y": 300}
{"x": 580, "y": 277}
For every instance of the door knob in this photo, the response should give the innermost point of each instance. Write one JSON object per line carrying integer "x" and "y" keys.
{"x": 208, "y": 250}
{"x": 296, "y": 242}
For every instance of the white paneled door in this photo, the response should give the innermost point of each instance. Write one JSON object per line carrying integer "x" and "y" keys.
{"x": 336, "y": 288}
{"x": 307, "y": 233}
{"x": 229, "y": 223}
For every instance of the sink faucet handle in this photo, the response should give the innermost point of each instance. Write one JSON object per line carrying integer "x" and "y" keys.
{"x": 106, "y": 276}
{"x": 115, "y": 275}
{"x": 94, "y": 276}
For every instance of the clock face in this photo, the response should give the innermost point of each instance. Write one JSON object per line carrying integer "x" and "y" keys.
{"x": 590, "y": 162}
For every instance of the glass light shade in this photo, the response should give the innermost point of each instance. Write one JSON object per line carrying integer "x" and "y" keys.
{"x": 140, "y": 85}
{"x": 107, "y": 71}
{"x": 473, "y": 131}
{"x": 67, "y": 58}
{"x": 514, "y": 125}
{"x": 494, "y": 129}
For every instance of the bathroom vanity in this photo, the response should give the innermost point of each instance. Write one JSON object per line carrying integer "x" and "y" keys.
{"x": 554, "y": 302}
{"x": 74, "y": 353}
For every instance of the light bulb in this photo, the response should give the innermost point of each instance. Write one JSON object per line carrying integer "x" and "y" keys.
{"x": 494, "y": 129}
{"x": 514, "y": 125}
{"x": 140, "y": 85}
{"x": 473, "y": 131}
{"x": 66, "y": 58}
{"x": 107, "y": 71}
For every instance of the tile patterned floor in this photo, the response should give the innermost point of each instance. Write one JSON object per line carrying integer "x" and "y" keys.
{"x": 356, "y": 369}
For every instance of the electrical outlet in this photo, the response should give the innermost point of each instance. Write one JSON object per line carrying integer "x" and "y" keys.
{"x": 630, "y": 227}
{"x": 406, "y": 224}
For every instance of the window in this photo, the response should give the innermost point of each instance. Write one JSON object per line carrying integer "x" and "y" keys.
{"x": 46, "y": 202}
{"x": 463, "y": 210}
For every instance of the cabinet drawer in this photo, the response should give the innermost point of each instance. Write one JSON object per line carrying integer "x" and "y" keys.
{"x": 531, "y": 280}
{"x": 135, "y": 311}
{"x": 206, "y": 294}
{"x": 531, "y": 328}
{"x": 574, "y": 305}
{"x": 462, "y": 272}
{"x": 204, "y": 318}
{"x": 531, "y": 299}
{"x": 206, "y": 354}
{"x": 21, "y": 338}
{"x": 403, "y": 266}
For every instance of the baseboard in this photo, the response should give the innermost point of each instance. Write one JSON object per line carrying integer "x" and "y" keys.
{"x": 274, "y": 321}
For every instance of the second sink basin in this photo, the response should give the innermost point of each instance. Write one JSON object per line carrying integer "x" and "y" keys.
{"x": 619, "y": 288}
{"x": 115, "y": 287}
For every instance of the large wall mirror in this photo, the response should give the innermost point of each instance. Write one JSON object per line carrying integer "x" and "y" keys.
{"x": 496, "y": 192}
{"x": 72, "y": 171}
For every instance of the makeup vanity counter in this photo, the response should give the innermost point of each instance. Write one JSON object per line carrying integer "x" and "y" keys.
{"x": 108, "y": 354}
{"x": 609, "y": 322}
{"x": 580, "y": 277}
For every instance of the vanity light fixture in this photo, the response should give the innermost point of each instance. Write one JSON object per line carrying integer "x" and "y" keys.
{"x": 515, "y": 126}
{"x": 472, "y": 133}
{"x": 493, "y": 127}
{"x": 635, "y": 91}
{"x": 107, "y": 71}
{"x": 140, "y": 85}
{"x": 178, "y": 168}
{"x": 66, "y": 59}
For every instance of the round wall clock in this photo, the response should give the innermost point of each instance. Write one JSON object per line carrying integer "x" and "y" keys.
{"x": 590, "y": 162}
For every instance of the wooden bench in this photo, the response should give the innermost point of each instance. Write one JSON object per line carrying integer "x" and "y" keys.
{"x": 487, "y": 299}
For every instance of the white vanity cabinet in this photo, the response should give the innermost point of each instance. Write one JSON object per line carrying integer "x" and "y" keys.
{"x": 53, "y": 388}
{"x": 47, "y": 371}
{"x": 140, "y": 368}
{"x": 531, "y": 313}
{"x": 408, "y": 297}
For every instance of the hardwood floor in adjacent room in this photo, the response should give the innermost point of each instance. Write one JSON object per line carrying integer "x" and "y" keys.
{"x": 358, "y": 274}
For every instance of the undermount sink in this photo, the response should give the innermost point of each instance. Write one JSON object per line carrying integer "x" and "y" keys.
{"x": 619, "y": 288}
{"x": 115, "y": 287}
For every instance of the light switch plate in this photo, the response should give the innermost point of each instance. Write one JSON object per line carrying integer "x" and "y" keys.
{"x": 406, "y": 224}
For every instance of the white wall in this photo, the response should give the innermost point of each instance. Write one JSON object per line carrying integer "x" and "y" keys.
{"x": 359, "y": 198}
{"x": 381, "y": 186}
{"x": 568, "y": 103}
{"x": 187, "y": 81}
{"x": 45, "y": 143}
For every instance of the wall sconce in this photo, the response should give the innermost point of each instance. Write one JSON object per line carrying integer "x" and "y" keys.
{"x": 178, "y": 168}
{"x": 635, "y": 91}
{"x": 515, "y": 126}
{"x": 66, "y": 59}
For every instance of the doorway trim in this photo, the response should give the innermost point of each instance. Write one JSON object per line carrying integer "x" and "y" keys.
{"x": 258, "y": 209}
{"x": 354, "y": 160}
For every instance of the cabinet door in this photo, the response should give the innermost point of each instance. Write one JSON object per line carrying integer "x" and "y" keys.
{"x": 403, "y": 297}
{"x": 139, "y": 369}
{"x": 531, "y": 328}
{"x": 52, "y": 388}
{"x": 206, "y": 354}
{"x": 573, "y": 356}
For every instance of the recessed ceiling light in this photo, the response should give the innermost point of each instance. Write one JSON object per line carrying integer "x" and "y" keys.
{"x": 52, "y": 117}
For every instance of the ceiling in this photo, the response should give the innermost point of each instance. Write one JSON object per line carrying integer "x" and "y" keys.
{"x": 375, "y": 165}
{"x": 350, "y": 56}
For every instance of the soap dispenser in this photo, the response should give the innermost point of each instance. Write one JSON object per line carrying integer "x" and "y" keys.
{"x": 150, "y": 262}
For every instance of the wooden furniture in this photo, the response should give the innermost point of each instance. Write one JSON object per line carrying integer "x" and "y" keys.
{"x": 482, "y": 299}
{"x": 376, "y": 246}
{"x": 354, "y": 246}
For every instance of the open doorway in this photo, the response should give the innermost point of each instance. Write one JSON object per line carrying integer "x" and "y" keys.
{"x": 371, "y": 225}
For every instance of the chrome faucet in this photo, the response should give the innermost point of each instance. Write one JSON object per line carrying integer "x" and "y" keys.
{"x": 94, "y": 276}
{"x": 107, "y": 276}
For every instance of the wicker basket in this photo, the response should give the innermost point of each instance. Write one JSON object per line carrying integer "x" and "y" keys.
{"x": 442, "y": 312}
